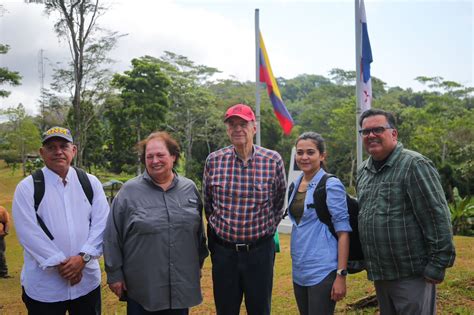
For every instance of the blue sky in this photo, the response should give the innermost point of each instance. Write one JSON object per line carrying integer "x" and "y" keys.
{"x": 409, "y": 38}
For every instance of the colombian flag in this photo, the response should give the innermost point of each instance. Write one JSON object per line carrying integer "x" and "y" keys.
{"x": 266, "y": 76}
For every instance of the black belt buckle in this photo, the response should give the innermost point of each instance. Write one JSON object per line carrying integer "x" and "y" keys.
{"x": 242, "y": 247}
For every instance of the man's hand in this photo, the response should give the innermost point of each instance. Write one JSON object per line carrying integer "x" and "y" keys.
{"x": 3, "y": 230}
{"x": 433, "y": 281}
{"x": 338, "y": 291}
{"x": 71, "y": 268}
{"x": 76, "y": 279}
{"x": 118, "y": 288}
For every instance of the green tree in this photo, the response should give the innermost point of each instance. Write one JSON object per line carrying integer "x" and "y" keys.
{"x": 22, "y": 136}
{"x": 191, "y": 117}
{"x": 118, "y": 146}
{"x": 144, "y": 92}
{"x": 7, "y": 76}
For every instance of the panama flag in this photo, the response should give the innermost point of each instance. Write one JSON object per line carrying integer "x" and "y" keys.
{"x": 266, "y": 76}
{"x": 365, "y": 90}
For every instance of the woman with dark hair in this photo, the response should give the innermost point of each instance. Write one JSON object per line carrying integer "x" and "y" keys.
{"x": 154, "y": 244}
{"x": 319, "y": 259}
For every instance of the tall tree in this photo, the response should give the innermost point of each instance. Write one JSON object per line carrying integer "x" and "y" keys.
{"x": 88, "y": 47}
{"x": 192, "y": 116}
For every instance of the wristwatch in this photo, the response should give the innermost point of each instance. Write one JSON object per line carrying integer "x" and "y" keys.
{"x": 85, "y": 257}
{"x": 342, "y": 272}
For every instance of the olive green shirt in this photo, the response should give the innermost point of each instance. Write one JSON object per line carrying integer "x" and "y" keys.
{"x": 404, "y": 220}
{"x": 297, "y": 206}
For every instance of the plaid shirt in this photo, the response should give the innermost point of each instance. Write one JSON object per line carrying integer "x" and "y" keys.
{"x": 244, "y": 201}
{"x": 404, "y": 221}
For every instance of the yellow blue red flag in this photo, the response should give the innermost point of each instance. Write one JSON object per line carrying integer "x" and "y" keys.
{"x": 266, "y": 76}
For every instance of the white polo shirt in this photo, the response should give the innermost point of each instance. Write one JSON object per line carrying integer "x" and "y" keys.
{"x": 76, "y": 227}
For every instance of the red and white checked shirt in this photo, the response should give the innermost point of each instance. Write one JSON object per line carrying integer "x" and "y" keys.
{"x": 244, "y": 202}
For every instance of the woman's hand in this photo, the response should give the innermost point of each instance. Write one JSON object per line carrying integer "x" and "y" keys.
{"x": 338, "y": 291}
{"x": 118, "y": 288}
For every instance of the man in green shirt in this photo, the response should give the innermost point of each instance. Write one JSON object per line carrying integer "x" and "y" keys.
{"x": 404, "y": 221}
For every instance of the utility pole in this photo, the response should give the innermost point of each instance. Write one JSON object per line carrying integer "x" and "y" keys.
{"x": 41, "y": 77}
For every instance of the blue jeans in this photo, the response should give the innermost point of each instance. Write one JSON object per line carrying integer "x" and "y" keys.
{"x": 242, "y": 273}
{"x": 133, "y": 308}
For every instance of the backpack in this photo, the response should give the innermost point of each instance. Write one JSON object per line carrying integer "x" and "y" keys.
{"x": 355, "y": 262}
{"x": 39, "y": 188}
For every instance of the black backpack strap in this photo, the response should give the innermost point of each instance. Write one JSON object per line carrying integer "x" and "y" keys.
{"x": 290, "y": 191}
{"x": 38, "y": 184}
{"x": 85, "y": 183}
{"x": 320, "y": 204}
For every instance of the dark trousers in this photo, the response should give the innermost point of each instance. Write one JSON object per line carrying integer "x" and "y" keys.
{"x": 134, "y": 308}
{"x": 88, "y": 304}
{"x": 316, "y": 299}
{"x": 237, "y": 274}
{"x": 3, "y": 261}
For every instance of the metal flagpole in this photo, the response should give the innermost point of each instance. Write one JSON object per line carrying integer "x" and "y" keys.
{"x": 358, "y": 40}
{"x": 257, "y": 75}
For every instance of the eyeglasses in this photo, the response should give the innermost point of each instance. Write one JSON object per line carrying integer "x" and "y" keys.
{"x": 376, "y": 131}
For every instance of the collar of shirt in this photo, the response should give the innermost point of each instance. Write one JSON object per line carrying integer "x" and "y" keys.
{"x": 391, "y": 160}
{"x": 238, "y": 159}
{"x": 55, "y": 177}
{"x": 314, "y": 181}
{"x": 148, "y": 179}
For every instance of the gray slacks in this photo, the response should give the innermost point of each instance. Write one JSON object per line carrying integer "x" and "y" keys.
{"x": 406, "y": 296}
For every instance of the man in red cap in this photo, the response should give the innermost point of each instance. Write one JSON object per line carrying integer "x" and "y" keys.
{"x": 244, "y": 188}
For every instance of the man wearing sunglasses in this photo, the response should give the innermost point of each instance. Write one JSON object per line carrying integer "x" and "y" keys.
{"x": 404, "y": 221}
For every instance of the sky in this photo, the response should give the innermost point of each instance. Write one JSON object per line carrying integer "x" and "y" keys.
{"x": 409, "y": 38}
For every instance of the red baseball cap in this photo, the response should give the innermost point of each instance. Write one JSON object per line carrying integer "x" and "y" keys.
{"x": 240, "y": 110}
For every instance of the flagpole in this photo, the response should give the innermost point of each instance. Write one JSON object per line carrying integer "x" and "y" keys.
{"x": 358, "y": 49}
{"x": 257, "y": 75}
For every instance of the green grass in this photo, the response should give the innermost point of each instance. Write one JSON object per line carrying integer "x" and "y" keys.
{"x": 455, "y": 294}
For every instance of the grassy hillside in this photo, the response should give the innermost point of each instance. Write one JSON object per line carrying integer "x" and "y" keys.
{"x": 455, "y": 294}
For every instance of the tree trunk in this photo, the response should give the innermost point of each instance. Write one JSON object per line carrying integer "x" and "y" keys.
{"x": 189, "y": 144}
{"x": 443, "y": 155}
{"x": 139, "y": 138}
{"x": 23, "y": 157}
